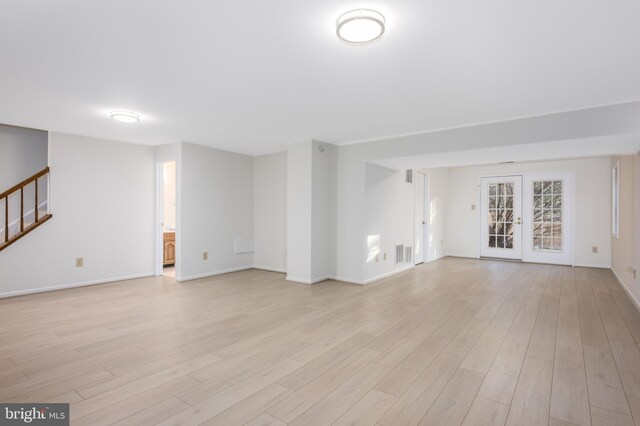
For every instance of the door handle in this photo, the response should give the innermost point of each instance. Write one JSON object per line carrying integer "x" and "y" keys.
{"x": 424, "y": 223}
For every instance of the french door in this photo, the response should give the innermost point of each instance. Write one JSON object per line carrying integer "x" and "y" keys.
{"x": 549, "y": 215}
{"x": 529, "y": 217}
{"x": 501, "y": 217}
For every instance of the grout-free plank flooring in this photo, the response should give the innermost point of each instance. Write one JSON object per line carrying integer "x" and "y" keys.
{"x": 455, "y": 342}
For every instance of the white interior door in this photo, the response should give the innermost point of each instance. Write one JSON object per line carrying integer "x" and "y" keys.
{"x": 548, "y": 218}
{"x": 501, "y": 217}
{"x": 420, "y": 221}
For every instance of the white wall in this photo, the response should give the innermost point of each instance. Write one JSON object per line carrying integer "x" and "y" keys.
{"x": 593, "y": 190}
{"x": 216, "y": 196}
{"x": 623, "y": 249}
{"x": 270, "y": 211}
{"x": 103, "y": 206}
{"x": 169, "y": 198}
{"x": 322, "y": 211}
{"x": 299, "y": 184}
{"x": 388, "y": 221}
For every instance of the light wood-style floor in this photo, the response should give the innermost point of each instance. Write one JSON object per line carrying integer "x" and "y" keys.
{"x": 456, "y": 342}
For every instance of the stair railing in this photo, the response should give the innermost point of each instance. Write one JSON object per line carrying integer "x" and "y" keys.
{"x": 37, "y": 219}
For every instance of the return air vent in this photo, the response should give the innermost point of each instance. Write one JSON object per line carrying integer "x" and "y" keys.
{"x": 399, "y": 254}
{"x": 408, "y": 254}
{"x": 409, "y": 178}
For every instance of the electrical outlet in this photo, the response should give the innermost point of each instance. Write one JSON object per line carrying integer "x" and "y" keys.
{"x": 594, "y": 249}
{"x": 441, "y": 242}
{"x": 384, "y": 256}
{"x": 205, "y": 255}
{"x": 79, "y": 262}
{"x": 473, "y": 206}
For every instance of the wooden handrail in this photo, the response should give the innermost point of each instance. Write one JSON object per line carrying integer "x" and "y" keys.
{"x": 24, "y": 183}
{"x": 20, "y": 187}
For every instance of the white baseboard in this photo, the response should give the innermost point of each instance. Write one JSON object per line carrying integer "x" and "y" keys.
{"x": 269, "y": 268}
{"x": 214, "y": 273}
{"x": 306, "y": 281}
{"x": 74, "y": 285}
{"x": 387, "y": 274}
{"x": 346, "y": 280}
{"x": 626, "y": 290}
{"x": 590, "y": 265}
{"x": 464, "y": 256}
{"x": 442, "y": 256}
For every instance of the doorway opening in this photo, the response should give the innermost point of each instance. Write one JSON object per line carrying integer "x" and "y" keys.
{"x": 167, "y": 210}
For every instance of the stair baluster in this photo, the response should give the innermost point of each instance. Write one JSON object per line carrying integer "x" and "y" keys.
{"x": 8, "y": 240}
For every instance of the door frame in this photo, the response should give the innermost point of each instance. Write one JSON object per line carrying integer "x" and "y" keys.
{"x": 570, "y": 177}
{"x": 159, "y": 218}
{"x": 568, "y": 215}
{"x": 423, "y": 233}
{"x": 426, "y": 218}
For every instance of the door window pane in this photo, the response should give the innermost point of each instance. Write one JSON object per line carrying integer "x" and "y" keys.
{"x": 500, "y": 218}
{"x": 547, "y": 215}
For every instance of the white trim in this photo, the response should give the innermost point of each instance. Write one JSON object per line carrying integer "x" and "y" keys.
{"x": 80, "y": 284}
{"x": 306, "y": 281}
{"x": 387, "y": 274}
{"x": 346, "y": 280}
{"x": 465, "y": 256}
{"x": 592, "y": 265}
{"x": 615, "y": 200}
{"x": 442, "y": 256}
{"x": 270, "y": 269}
{"x": 158, "y": 235}
{"x": 350, "y": 280}
{"x": 626, "y": 290}
{"x": 211, "y": 274}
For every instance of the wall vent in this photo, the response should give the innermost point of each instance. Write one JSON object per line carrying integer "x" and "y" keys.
{"x": 399, "y": 254}
{"x": 408, "y": 254}
{"x": 409, "y": 176}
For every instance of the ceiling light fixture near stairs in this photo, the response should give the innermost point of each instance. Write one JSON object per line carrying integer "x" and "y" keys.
{"x": 125, "y": 116}
{"x": 360, "y": 26}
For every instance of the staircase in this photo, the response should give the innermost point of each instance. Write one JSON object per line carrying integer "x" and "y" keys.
{"x": 35, "y": 215}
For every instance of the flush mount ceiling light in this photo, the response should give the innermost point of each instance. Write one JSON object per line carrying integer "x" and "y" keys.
{"x": 360, "y": 26}
{"x": 125, "y": 116}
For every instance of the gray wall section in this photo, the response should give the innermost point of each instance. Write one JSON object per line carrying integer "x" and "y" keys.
{"x": 23, "y": 152}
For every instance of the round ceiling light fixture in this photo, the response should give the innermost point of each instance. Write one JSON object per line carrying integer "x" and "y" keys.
{"x": 125, "y": 116}
{"x": 360, "y": 26}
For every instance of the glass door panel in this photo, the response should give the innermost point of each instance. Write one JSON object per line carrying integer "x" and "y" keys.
{"x": 501, "y": 206}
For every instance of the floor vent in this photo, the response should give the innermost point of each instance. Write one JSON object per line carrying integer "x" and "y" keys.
{"x": 408, "y": 254}
{"x": 399, "y": 254}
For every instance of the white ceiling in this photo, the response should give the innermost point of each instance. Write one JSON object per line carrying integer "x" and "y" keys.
{"x": 252, "y": 76}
